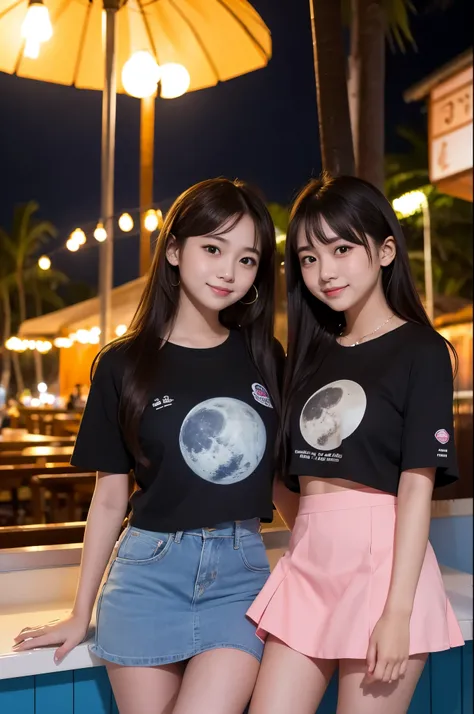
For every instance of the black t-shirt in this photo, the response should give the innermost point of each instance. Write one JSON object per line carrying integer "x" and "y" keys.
{"x": 208, "y": 431}
{"x": 375, "y": 410}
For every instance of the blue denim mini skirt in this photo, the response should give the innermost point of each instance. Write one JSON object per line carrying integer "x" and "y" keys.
{"x": 171, "y": 596}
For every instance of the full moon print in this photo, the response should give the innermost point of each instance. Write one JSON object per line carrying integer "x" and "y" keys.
{"x": 223, "y": 440}
{"x": 332, "y": 414}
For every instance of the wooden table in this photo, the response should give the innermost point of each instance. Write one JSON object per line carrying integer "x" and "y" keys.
{"x": 37, "y": 455}
{"x": 43, "y": 454}
{"x": 18, "y": 443}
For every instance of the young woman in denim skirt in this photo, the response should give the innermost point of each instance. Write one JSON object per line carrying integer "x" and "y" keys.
{"x": 188, "y": 401}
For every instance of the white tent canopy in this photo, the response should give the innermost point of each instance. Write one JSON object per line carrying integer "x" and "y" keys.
{"x": 85, "y": 315}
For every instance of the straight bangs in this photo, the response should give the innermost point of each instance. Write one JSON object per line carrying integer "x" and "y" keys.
{"x": 335, "y": 213}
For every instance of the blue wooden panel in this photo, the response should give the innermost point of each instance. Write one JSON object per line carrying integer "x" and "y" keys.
{"x": 115, "y": 707}
{"x": 17, "y": 695}
{"x": 446, "y": 684}
{"x": 452, "y": 541}
{"x": 421, "y": 702}
{"x": 329, "y": 701}
{"x": 467, "y": 703}
{"x": 92, "y": 693}
{"x": 54, "y": 693}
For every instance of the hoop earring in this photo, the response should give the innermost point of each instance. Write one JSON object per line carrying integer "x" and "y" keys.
{"x": 175, "y": 285}
{"x": 251, "y": 301}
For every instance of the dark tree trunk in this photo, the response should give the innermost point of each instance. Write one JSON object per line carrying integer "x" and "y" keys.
{"x": 331, "y": 83}
{"x": 371, "y": 106}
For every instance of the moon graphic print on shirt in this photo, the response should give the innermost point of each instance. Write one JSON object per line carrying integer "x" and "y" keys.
{"x": 223, "y": 440}
{"x": 332, "y": 414}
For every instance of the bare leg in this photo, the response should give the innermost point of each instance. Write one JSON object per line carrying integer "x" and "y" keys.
{"x": 289, "y": 681}
{"x": 356, "y": 696}
{"x": 145, "y": 690}
{"x": 220, "y": 681}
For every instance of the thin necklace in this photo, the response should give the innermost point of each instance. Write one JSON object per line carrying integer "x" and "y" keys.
{"x": 361, "y": 339}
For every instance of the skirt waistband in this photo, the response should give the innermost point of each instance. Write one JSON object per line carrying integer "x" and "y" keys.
{"x": 344, "y": 500}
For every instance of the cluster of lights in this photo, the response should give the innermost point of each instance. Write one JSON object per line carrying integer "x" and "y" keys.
{"x": 86, "y": 337}
{"x": 152, "y": 220}
{"x": 141, "y": 75}
{"x": 75, "y": 240}
{"x": 44, "y": 399}
{"x": 15, "y": 344}
{"x": 82, "y": 336}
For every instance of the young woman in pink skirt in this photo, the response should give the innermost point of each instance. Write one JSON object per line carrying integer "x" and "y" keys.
{"x": 367, "y": 435}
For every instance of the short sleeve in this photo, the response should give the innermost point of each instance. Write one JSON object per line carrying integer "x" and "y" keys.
{"x": 428, "y": 430}
{"x": 100, "y": 445}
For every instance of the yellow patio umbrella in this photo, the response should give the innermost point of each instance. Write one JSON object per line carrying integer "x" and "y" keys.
{"x": 91, "y": 41}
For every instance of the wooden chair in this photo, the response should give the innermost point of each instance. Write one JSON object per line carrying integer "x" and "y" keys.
{"x": 13, "y": 477}
{"x": 70, "y": 485}
{"x": 41, "y": 534}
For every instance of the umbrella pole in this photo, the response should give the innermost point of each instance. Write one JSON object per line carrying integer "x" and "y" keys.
{"x": 109, "y": 100}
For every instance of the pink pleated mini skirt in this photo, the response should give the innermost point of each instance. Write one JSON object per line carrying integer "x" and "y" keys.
{"x": 328, "y": 591}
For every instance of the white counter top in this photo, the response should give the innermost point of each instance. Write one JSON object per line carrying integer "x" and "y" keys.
{"x": 14, "y": 617}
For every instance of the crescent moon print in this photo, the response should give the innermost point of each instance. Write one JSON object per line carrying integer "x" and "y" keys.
{"x": 332, "y": 414}
{"x": 223, "y": 440}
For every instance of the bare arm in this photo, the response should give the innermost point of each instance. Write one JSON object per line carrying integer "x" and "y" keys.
{"x": 411, "y": 538}
{"x": 388, "y": 652}
{"x": 286, "y": 502}
{"x": 106, "y": 513}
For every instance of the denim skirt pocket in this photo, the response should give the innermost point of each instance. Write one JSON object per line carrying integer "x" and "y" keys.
{"x": 140, "y": 547}
{"x": 253, "y": 553}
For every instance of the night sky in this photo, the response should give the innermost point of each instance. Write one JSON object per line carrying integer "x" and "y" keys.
{"x": 261, "y": 127}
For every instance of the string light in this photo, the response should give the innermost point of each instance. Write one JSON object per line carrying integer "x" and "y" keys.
{"x": 78, "y": 236}
{"x": 140, "y": 75}
{"x": 151, "y": 220}
{"x": 44, "y": 262}
{"x": 125, "y": 222}
{"x": 72, "y": 245}
{"x": 120, "y": 330}
{"x": 100, "y": 234}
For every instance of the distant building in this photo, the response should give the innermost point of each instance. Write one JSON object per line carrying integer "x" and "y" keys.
{"x": 448, "y": 92}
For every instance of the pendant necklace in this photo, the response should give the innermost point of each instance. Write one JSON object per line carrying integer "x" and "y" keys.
{"x": 369, "y": 334}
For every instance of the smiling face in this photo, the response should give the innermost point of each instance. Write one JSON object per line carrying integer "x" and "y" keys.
{"x": 218, "y": 270}
{"x": 339, "y": 273}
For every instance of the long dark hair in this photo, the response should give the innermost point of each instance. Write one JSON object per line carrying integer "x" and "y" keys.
{"x": 201, "y": 210}
{"x": 354, "y": 210}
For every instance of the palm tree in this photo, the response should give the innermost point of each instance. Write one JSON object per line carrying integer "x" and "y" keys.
{"x": 23, "y": 242}
{"x": 451, "y": 222}
{"x": 19, "y": 246}
{"x": 333, "y": 106}
{"x": 372, "y": 23}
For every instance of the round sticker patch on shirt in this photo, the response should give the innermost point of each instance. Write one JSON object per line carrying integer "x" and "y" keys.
{"x": 442, "y": 436}
{"x": 261, "y": 395}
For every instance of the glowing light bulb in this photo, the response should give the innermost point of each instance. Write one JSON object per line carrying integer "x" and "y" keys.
{"x": 100, "y": 234}
{"x": 42, "y": 387}
{"x": 125, "y": 222}
{"x": 140, "y": 75}
{"x": 78, "y": 236}
{"x": 151, "y": 220}
{"x": 120, "y": 330}
{"x": 175, "y": 80}
{"x": 44, "y": 262}
{"x": 31, "y": 49}
{"x": 72, "y": 245}
{"x": 37, "y": 26}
